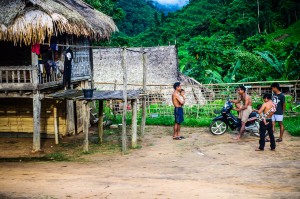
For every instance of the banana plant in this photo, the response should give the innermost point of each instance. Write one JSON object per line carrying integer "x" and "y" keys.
{"x": 284, "y": 67}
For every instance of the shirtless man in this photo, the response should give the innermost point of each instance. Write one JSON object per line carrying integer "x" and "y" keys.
{"x": 265, "y": 109}
{"x": 178, "y": 101}
{"x": 244, "y": 110}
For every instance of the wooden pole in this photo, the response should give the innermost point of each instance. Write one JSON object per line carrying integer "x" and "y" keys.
{"x": 36, "y": 122}
{"x": 134, "y": 124}
{"x": 100, "y": 122}
{"x": 55, "y": 124}
{"x": 144, "y": 113}
{"x": 86, "y": 122}
{"x": 36, "y": 107}
{"x": 70, "y": 117}
{"x": 124, "y": 137}
{"x": 113, "y": 107}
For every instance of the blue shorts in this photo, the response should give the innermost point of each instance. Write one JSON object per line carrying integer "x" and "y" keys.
{"x": 178, "y": 113}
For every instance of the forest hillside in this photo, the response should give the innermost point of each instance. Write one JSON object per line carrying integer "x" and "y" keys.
{"x": 218, "y": 40}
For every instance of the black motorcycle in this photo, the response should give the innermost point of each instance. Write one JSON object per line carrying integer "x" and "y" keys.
{"x": 220, "y": 124}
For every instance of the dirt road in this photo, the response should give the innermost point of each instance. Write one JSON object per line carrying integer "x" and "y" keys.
{"x": 200, "y": 166}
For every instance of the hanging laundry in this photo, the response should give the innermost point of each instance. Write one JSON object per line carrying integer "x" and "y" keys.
{"x": 54, "y": 47}
{"x": 36, "y": 48}
{"x": 68, "y": 68}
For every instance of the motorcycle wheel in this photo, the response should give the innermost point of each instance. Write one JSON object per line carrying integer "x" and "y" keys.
{"x": 218, "y": 127}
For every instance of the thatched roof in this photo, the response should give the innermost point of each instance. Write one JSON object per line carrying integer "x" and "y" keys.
{"x": 32, "y": 21}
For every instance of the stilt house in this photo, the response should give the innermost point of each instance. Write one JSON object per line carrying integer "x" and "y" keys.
{"x": 34, "y": 38}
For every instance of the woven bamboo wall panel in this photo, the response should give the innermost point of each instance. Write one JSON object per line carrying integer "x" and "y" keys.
{"x": 161, "y": 63}
{"x": 16, "y": 116}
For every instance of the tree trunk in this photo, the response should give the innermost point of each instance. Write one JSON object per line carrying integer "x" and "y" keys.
{"x": 258, "y": 27}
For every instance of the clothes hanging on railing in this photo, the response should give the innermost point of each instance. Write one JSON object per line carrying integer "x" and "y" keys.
{"x": 68, "y": 68}
{"x": 35, "y": 48}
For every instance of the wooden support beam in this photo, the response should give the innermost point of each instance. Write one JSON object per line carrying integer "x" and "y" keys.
{"x": 144, "y": 111}
{"x": 100, "y": 121}
{"x": 134, "y": 124}
{"x": 70, "y": 117}
{"x": 55, "y": 124}
{"x": 36, "y": 122}
{"x": 86, "y": 123}
{"x": 124, "y": 137}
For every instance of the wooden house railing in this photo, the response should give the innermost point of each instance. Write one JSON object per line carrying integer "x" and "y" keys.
{"x": 25, "y": 78}
{"x": 17, "y": 74}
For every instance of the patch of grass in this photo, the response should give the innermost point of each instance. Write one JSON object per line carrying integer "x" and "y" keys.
{"x": 57, "y": 157}
{"x": 292, "y": 125}
{"x": 188, "y": 121}
{"x": 137, "y": 147}
{"x": 162, "y": 120}
{"x": 200, "y": 122}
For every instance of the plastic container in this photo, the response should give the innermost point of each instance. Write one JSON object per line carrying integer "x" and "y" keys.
{"x": 88, "y": 93}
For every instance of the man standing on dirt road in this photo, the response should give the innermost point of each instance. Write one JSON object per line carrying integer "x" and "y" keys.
{"x": 278, "y": 99}
{"x": 244, "y": 110}
{"x": 178, "y": 101}
{"x": 266, "y": 109}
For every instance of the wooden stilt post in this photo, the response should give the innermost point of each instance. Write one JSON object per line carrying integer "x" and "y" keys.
{"x": 100, "y": 122}
{"x": 144, "y": 111}
{"x": 124, "y": 137}
{"x": 36, "y": 122}
{"x": 55, "y": 124}
{"x": 113, "y": 106}
{"x": 86, "y": 122}
{"x": 134, "y": 124}
{"x": 70, "y": 117}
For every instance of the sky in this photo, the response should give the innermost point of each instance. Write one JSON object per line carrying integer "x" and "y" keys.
{"x": 173, "y": 2}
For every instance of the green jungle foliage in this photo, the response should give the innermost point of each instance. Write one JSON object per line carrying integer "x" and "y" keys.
{"x": 140, "y": 15}
{"x": 292, "y": 125}
{"x": 219, "y": 41}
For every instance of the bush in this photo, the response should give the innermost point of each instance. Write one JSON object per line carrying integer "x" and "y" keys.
{"x": 292, "y": 125}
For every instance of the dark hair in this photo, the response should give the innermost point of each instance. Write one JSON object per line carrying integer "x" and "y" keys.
{"x": 258, "y": 106}
{"x": 267, "y": 95}
{"x": 243, "y": 88}
{"x": 176, "y": 85}
{"x": 275, "y": 85}
{"x": 181, "y": 90}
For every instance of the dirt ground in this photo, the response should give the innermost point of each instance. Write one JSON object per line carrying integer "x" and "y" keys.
{"x": 200, "y": 166}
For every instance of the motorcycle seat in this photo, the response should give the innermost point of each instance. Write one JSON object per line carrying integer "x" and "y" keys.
{"x": 252, "y": 116}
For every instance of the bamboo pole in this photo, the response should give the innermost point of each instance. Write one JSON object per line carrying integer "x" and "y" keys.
{"x": 124, "y": 137}
{"x": 134, "y": 124}
{"x": 144, "y": 114}
{"x": 100, "y": 122}
{"x": 55, "y": 124}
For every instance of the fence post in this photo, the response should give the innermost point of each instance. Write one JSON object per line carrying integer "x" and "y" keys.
{"x": 124, "y": 137}
{"x": 144, "y": 113}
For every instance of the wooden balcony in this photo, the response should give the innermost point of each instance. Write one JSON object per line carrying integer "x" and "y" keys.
{"x": 28, "y": 78}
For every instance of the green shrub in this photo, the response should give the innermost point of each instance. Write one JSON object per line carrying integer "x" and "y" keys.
{"x": 292, "y": 125}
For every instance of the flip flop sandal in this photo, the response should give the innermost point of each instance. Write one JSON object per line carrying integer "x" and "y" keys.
{"x": 267, "y": 140}
{"x": 279, "y": 140}
{"x": 258, "y": 149}
{"x": 182, "y": 137}
{"x": 177, "y": 138}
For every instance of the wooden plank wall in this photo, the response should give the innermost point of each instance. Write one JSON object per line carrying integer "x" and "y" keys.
{"x": 16, "y": 116}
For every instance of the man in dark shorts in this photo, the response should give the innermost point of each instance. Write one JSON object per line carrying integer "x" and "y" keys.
{"x": 263, "y": 127}
{"x": 178, "y": 101}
